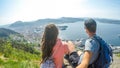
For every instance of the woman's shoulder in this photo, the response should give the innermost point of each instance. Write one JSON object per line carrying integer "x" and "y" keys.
{"x": 60, "y": 42}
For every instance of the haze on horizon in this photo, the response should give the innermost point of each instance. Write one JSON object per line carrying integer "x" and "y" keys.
{"x": 30, "y": 10}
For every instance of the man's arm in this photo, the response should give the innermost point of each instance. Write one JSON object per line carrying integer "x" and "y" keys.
{"x": 86, "y": 59}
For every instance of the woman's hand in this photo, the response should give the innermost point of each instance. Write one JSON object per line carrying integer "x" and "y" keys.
{"x": 71, "y": 46}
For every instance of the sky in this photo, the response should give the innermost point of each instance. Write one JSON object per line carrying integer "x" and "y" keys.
{"x": 31, "y": 10}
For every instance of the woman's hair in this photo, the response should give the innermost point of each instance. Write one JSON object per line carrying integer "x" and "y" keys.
{"x": 48, "y": 41}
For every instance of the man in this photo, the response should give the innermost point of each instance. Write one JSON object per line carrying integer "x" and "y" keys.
{"x": 90, "y": 53}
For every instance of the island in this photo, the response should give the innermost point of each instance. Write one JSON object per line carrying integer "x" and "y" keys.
{"x": 62, "y": 27}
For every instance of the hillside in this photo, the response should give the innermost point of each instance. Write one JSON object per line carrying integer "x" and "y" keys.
{"x": 44, "y": 21}
{"x": 32, "y": 30}
{"x": 16, "y": 52}
{"x": 7, "y": 32}
{"x": 59, "y": 20}
{"x": 110, "y": 21}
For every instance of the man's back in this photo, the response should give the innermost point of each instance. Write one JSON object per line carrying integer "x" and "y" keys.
{"x": 93, "y": 46}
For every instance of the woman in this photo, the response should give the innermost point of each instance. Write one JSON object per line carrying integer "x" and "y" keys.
{"x": 52, "y": 46}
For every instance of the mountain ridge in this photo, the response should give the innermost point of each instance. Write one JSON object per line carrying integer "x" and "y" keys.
{"x": 45, "y": 21}
{"x": 60, "y": 20}
{"x": 7, "y": 32}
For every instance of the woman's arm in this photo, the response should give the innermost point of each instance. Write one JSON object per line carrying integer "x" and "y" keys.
{"x": 86, "y": 59}
{"x": 68, "y": 47}
{"x": 71, "y": 46}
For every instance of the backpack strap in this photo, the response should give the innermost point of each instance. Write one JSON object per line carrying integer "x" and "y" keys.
{"x": 92, "y": 65}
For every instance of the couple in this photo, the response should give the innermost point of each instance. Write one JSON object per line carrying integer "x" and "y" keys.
{"x": 53, "y": 48}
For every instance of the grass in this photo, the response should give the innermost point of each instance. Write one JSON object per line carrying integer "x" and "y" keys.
{"x": 118, "y": 54}
{"x": 19, "y": 64}
{"x": 24, "y": 56}
{"x": 20, "y": 59}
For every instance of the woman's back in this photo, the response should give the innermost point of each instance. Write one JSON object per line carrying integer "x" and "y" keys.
{"x": 60, "y": 49}
{"x": 52, "y": 47}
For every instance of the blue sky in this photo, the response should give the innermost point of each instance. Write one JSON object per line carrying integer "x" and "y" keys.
{"x": 29, "y": 10}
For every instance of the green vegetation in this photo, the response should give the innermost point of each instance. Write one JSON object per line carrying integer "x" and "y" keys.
{"x": 6, "y": 32}
{"x": 21, "y": 64}
{"x": 118, "y": 54}
{"x": 14, "y": 54}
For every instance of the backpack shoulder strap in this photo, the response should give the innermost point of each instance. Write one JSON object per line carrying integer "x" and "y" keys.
{"x": 92, "y": 65}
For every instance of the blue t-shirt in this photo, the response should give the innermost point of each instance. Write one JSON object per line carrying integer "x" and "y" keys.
{"x": 93, "y": 46}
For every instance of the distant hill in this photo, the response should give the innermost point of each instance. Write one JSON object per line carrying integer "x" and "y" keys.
{"x": 45, "y": 21}
{"x": 7, "y": 32}
{"x": 59, "y": 20}
{"x": 111, "y": 21}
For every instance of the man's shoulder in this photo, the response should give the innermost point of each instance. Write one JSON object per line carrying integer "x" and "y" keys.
{"x": 92, "y": 38}
{"x": 89, "y": 40}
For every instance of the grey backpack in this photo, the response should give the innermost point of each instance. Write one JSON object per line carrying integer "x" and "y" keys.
{"x": 49, "y": 63}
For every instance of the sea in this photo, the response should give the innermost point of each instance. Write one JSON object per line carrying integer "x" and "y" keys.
{"x": 109, "y": 32}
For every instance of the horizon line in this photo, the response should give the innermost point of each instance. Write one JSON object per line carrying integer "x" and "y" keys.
{"x": 59, "y": 18}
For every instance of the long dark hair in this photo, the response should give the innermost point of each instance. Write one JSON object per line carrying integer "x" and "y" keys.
{"x": 48, "y": 41}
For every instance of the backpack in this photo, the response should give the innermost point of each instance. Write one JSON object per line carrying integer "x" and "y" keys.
{"x": 73, "y": 59}
{"x": 49, "y": 63}
{"x": 105, "y": 56}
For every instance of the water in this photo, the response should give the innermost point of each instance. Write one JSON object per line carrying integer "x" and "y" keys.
{"x": 109, "y": 32}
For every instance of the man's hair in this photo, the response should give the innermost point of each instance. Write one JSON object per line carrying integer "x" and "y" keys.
{"x": 91, "y": 25}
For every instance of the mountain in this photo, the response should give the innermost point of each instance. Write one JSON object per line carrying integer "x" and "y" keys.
{"x": 59, "y": 20}
{"x": 45, "y": 21}
{"x": 111, "y": 21}
{"x": 7, "y": 32}
{"x": 32, "y": 30}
